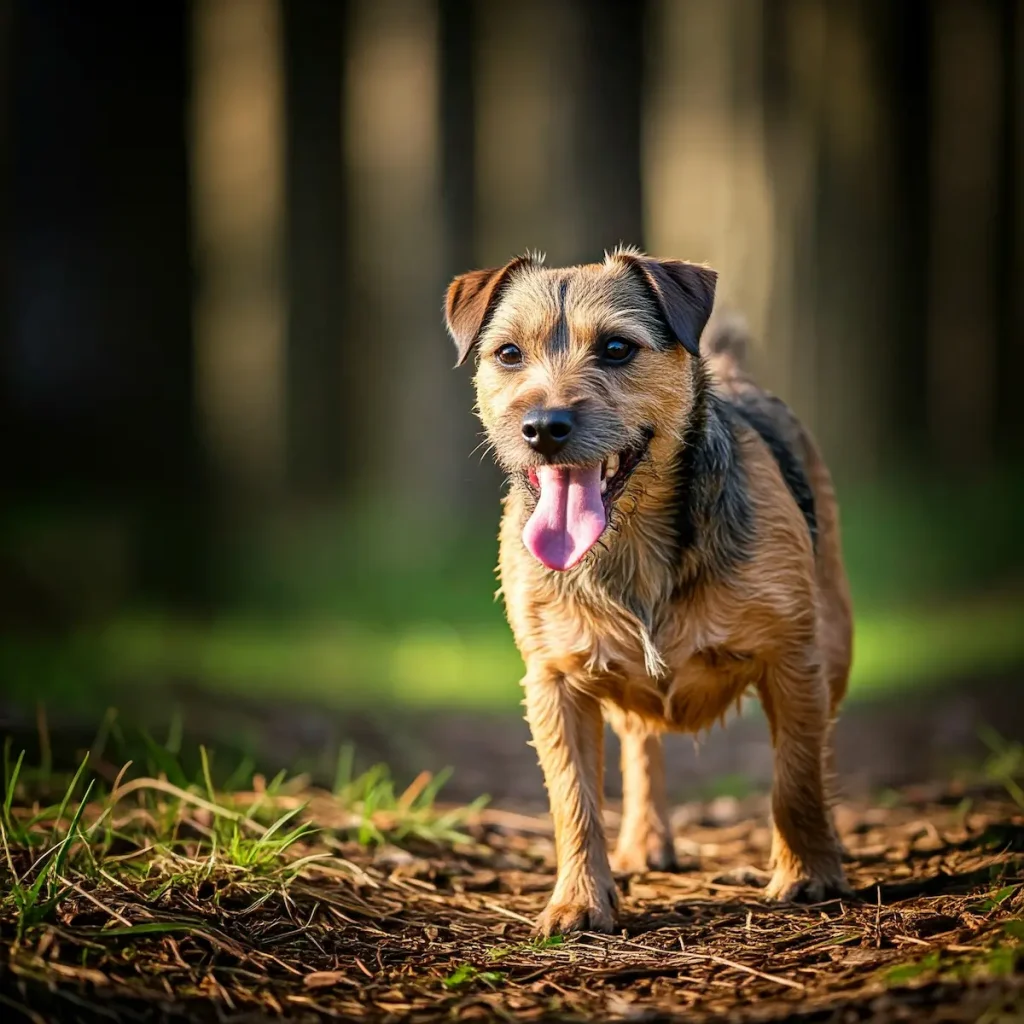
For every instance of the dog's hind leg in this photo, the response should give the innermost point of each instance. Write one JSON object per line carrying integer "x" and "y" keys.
{"x": 568, "y": 733}
{"x": 806, "y": 854}
{"x": 835, "y": 642}
{"x": 645, "y": 833}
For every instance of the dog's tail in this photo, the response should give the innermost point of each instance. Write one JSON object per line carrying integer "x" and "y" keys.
{"x": 724, "y": 344}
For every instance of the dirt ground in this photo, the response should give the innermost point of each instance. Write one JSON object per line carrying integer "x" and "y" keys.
{"x": 425, "y": 933}
{"x": 421, "y": 931}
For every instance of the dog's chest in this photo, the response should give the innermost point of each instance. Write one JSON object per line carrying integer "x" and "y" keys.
{"x": 704, "y": 674}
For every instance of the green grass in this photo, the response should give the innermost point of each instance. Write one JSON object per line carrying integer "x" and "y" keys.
{"x": 466, "y": 975}
{"x": 1004, "y": 765}
{"x": 187, "y": 825}
{"x": 174, "y": 842}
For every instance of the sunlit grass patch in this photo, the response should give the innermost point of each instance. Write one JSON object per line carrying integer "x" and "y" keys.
{"x": 904, "y": 648}
{"x": 160, "y": 832}
{"x": 344, "y": 665}
{"x": 332, "y": 610}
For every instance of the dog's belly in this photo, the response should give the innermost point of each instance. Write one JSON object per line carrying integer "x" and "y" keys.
{"x": 699, "y": 693}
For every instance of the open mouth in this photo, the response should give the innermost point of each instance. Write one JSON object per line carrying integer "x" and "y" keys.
{"x": 573, "y": 505}
{"x": 614, "y": 472}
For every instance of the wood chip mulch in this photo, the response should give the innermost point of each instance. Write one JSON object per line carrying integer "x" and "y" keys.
{"x": 422, "y": 934}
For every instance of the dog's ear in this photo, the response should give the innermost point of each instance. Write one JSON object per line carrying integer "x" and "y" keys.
{"x": 471, "y": 299}
{"x": 684, "y": 291}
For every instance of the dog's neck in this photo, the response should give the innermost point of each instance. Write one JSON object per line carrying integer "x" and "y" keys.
{"x": 713, "y": 520}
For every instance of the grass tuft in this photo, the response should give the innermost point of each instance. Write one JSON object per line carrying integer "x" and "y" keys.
{"x": 1005, "y": 764}
{"x": 165, "y": 833}
{"x": 466, "y": 974}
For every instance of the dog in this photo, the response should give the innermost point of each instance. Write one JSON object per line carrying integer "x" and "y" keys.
{"x": 669, "y": 541}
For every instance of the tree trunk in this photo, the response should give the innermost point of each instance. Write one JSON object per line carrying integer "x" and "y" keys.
{"x": 554, "y": 152}
{"x": 605, "y": 157}
{"x": 1010, "y": 284}
{"x": 966, "y": 116}
{"x": 705, "y": 169}
{"x": 100, "y": 368}
{"x": 318, "y": 424}
{"x": 237, "y": 135}
{"x": 397, "y": 360}
{"x": 908, "y": 63}
{"x": 478, "y": 480}
{"x": 855, "y": 287}
{"x": 6, "y": 147}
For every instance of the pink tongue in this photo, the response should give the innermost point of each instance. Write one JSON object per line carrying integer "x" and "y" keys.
{"x": 569, "y": 517}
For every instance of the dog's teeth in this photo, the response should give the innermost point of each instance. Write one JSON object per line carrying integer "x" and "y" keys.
{"x": 604, "y": 485}
{"x": 612, "y": 466}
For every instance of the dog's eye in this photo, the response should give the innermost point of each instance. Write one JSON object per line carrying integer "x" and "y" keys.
{"x": 509, "y": 355}
{"x": 616, "y": 351}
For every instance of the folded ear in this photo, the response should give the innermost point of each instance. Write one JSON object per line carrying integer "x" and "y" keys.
{"x": 470, "y": 302}
{"x": 684, "y": 291}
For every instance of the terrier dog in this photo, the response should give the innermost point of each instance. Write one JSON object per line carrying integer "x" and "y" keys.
{"x": 670, "y": 539}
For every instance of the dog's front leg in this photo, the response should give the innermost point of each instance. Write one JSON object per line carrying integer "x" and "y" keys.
{"x": 806, "y": 854}
{"x": 568, "y": 733}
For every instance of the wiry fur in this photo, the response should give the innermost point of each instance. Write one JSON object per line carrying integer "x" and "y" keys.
{"x": 719, "y": 572}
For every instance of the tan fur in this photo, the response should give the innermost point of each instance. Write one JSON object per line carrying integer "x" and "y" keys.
{"x": 645, "y": 835}
{"x": 615, "y": 632}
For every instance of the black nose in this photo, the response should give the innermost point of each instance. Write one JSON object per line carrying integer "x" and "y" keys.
{"x": 547, "y": 430}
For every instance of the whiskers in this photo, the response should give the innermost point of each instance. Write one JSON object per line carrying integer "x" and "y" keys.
{"x": 486, "y": 444}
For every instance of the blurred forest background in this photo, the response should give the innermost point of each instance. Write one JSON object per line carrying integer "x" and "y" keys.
{"x": 236, "y": 460}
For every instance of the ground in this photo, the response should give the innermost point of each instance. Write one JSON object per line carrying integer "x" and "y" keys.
{"x": 161, "y": 897}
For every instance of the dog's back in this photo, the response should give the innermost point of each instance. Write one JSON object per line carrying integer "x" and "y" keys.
{"x": 724, "y": 346}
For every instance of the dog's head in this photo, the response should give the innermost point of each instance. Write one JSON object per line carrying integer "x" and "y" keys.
{"x": 582, "y": 382}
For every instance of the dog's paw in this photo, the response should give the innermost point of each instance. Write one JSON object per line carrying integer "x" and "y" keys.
{"x": 657, "y": 854}
{"x": 786, "y": 887}
{"x": 563, "y": 918}
{"x": 580, "y": 913}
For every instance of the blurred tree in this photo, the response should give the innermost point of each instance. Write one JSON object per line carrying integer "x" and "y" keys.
{"x": 707, "y": 194}
{"x": 477, "y": 479}
{"x": 1010, "y": 226}
{"x": 894, "y": 224}
{"x": 99, "y": 368}
{"x": 606, "y": 78}
{"x": 237, "y": 213}
{"x": 317, "y": 413}
{"x": 558, "y": 128}
{"x": 963, "y": 259}
{"x": 397, "y": 362}
{"x": 908, "y": 69}
{"x": 6, "y": 140}
{"x": 831, "y": 168}
{"x": 458, "y": 69}
{"x": 100, "y": 363}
